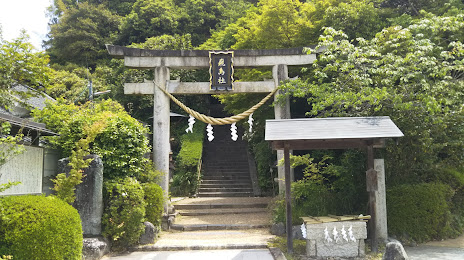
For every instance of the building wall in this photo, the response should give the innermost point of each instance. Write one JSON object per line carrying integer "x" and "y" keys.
{"x": 26, "y": 168}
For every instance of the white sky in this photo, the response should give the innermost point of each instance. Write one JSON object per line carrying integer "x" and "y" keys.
{"x": 24, "y": 14}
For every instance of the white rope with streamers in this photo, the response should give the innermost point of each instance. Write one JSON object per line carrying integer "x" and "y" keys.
{"x": 191, "y": 122}
{"x": 209, "y": 131}
{"x": 233, "y": 131}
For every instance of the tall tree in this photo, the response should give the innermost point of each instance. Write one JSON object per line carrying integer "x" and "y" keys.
{"x": 414, "y": 75}
{"x": 20, "y": 63}
{"x": 81, "y": 34}
{"x": 148, "y": 19}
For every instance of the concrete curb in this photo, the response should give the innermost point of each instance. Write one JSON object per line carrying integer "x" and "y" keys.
{"x": 199, "y": 247}
{"x": 277, "y": 253}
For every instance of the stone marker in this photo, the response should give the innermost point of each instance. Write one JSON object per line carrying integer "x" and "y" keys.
{"x": 148, "y": 237}
{"x": 89, "y": 196}
{"x": 395, "y": 251}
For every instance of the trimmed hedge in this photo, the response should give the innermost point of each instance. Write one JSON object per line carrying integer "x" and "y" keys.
{"x": 185, "y": 180}
{"x": 419, "y": 212}
{"x": 39, "y": 227}
{"x": 154, "y": 197}
{"x": 124, "y": 212}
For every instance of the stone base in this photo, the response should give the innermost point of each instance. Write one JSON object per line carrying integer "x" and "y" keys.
{"x": 317, "y": 245}
{"x": 94, "y": 248}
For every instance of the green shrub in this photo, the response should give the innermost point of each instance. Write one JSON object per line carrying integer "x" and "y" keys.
{"x": 185, "y": 179}
{"x": 122, "y": 144}
{"x": 38, "y": 227}
{"x": 154, "y": 198}
{"x": 419, "y": 212}
{"x": 124, "y": 212}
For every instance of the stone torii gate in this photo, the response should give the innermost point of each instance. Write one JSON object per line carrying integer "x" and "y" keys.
{"x": 161, "y": 61}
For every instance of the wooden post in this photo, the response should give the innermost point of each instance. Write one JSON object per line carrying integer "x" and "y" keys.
{"x": 371, "y": 184}
{"x": 288, "y": 199}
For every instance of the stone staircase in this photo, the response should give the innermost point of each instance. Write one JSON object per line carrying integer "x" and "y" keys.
{"x": 226, "y": 168}
{"x": 222, "y": 213}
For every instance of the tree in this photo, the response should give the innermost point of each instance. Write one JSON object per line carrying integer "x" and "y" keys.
{"x": 20, "y": 63}
{"x": 148, "y": 19}
{"x": 414, "y": 75}
{"x": 122, "y": 144}
{"x": 80, "y": 35}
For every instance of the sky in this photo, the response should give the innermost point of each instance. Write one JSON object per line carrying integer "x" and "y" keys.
{"x": 24, "y": 14}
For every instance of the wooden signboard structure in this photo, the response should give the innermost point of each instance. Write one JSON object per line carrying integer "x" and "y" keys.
{"x": 336, "y": 133}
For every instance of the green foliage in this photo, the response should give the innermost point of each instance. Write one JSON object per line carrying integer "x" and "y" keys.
{"x": 65, "y": 184}
{"x": 420, "y": 212}
{"x": 148, "y": 19}
{"x": 20, "y": 63}
{"x": 330, "y": 185}
{"x": 9, "y": 148}
{"x": 34, "y": 227}
{"x": 122, "y": 144}
{"x": 124, "y": 212}
{"x": 402, "y": 73}
{"x": 185, "y": 179}
{"x": 9, "y": 144}
{"x": 81, "y": 34}
{"x": 154, "y": 198}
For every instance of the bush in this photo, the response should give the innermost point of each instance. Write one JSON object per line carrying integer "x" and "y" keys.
{"x": 122, "y": 144}
{"x": 124, "y": 212}
{"x": 419, "y": 212}
{"x": 154, "y": 198}
{"x": 38, "y": 227}
{"x": 185, "y": 179}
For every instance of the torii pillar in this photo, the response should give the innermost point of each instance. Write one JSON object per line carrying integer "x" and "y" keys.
{"x": 163, "y": 60}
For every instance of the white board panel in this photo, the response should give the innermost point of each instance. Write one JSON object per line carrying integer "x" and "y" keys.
{"x": 26, "y": 168}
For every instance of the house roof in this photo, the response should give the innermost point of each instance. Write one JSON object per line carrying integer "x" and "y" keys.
{"x": 27, "y": 124}
{"x": 36, "y": 101}
{"x": 330, "y": 133}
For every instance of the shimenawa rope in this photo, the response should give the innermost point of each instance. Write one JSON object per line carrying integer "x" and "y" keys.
{"x": 219, "y": 121}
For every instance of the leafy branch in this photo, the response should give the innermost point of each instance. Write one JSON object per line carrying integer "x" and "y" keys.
{"x": 65, "y": 184}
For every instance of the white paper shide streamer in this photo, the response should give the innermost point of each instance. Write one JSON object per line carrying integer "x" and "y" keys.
{"x": 350, "y": 234}
{"x": 209, "y": 131}
{"x": 327, "y": 237}
{"x": 191, "y": 122}
{"x": 233, "y": 131}
{"x": 335, "y": 235}
{"x": 250, "y": 122}
{"x": 303, "y": 230}
{"x": 344, "y": 236}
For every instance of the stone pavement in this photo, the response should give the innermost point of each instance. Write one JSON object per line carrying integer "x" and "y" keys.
{"x": 450, "y": 249}
{"x": 236, "y": 254}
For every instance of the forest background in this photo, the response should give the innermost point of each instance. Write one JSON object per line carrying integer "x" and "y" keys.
{"x": 402, "y": 59}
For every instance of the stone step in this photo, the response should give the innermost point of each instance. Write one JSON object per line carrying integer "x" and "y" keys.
{"x": 223, "y": 222}
{"x": 225, "y": 194}
{"x": 220, "y": 211}
{"x": 221, "y": 206}
{"x": 225, "y": 185}
{"x": 209, "y": 240}
{"x": 226, "y": 169}
{"x": 203, "y": 190}
{"x": 226, "y": 178}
